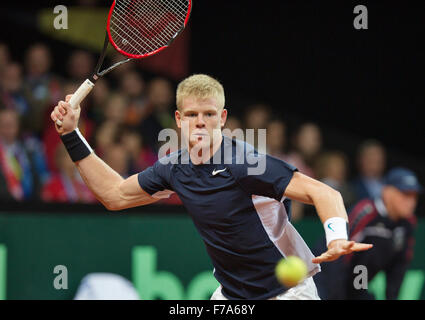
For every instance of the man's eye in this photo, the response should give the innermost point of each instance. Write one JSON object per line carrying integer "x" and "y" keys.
{"x": 210, "y": 114}
{"x": 191, "y": 115}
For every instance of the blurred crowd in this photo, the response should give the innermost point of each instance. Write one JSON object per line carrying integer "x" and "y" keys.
{"x": 121, "y": 120}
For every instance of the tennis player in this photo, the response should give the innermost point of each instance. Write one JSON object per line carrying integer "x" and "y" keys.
{"x": 242, "y": 213}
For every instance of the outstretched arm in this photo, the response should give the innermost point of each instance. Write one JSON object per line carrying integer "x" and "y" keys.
{"x": 329, "y": 204}
{"x": 113, "y": 191}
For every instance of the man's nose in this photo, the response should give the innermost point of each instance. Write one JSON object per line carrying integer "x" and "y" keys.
{"x": 200, "y": 123}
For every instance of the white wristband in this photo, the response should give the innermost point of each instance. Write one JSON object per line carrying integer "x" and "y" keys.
{"x": 335, "y": 228}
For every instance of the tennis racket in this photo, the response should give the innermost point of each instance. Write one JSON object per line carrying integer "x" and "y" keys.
{"x": 137, "y": 29}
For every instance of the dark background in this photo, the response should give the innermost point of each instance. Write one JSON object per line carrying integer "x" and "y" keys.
{"x": 307, "y": 61}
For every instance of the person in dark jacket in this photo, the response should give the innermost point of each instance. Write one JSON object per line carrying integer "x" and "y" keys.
{"x": 387, "y": 222}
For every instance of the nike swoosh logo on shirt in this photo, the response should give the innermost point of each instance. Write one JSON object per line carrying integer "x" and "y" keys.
{"x": 217, "y": 171}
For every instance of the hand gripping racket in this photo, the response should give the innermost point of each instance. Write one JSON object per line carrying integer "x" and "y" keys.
{"x": 137, "y": 29}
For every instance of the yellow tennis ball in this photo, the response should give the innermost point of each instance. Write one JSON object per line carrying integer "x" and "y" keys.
{"x": 291, "y": 271}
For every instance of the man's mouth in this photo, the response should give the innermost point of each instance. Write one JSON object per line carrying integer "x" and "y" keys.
{"x": 200, "y": 134}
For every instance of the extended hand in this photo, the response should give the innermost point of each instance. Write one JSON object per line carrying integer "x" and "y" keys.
{"x": 340, "y": 247}
{"x": 67, "y": 116}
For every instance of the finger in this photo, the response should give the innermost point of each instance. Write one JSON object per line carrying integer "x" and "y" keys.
{"x": 68, "y": 97}
{"x": 58, "y": 115}
{"x": 59, "y": 123}
{"x": 361, "y": 246}
{"x": 62, "y": 110}
{"x": 316, "y": 260}
{"x": 322, "y": 258}
{"x": 64, "y": 105}
{"x": 53, "y": 116}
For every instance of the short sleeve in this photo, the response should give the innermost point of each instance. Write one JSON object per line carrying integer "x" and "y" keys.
{"x": 271, "y": 179}
{"x": 155, "y": 180}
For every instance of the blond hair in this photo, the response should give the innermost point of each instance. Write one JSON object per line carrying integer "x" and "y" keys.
{"x": 200, "y": 86}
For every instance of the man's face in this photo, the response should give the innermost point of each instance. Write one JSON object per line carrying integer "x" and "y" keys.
{"x": 201, "y": 121}
{"x": 372, "y": 162}
{"x": 38, "y": 61}
{"x": 402, "y": 203}
{"x": 9, "y": 126}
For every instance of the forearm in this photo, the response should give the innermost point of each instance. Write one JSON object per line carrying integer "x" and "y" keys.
{"x": 329, "y": 203}
{"x": 101, "y": 179}
{"x": 114, "y": 192}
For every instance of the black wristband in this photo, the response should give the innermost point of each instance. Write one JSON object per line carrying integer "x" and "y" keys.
{"x": 76, "y": 145}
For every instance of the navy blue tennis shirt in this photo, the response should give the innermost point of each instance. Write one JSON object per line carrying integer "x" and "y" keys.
{"x": 243, "y": 218}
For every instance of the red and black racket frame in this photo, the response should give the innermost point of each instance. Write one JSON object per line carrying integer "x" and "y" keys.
{"x": 108, "y": 39}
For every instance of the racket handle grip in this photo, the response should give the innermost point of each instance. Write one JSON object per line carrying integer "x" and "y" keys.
{"x": 81, "y": 93}
{"x": 79, "y": 96}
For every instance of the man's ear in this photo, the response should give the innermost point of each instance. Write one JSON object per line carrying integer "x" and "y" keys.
{"x": 223, "y": 117}
{"x": 177, "y": 115}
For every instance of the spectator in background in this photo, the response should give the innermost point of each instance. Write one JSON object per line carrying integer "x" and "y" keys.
{"x": 307, "y": 146}
{"x": 331, "y": 168}
{"x": 116, "y": 109}
{"x": 66, "y": 185}
{"x": 114, "y": 117}
{"x": 43, "y": 87}
{"x": 80, "y": 66}
{"x": 387, "y": 222}
{"x": 132, "y": 86}
{"x": 117, "y": 157}
{"x": 141, "y": 156}
{"x": 276, "y": 145}
{"x": 276, "y": 139}
{"x": 4, "y": 56}
{"x": 22, "y": 161}
{"x": 371, "y": 162}
{"x": 159, "y": 111}
{"x": 257, "y": 116}
{"x": 99, "y": 99}
{"x": 232, "y": 123}
{"x": 12, "y": 92}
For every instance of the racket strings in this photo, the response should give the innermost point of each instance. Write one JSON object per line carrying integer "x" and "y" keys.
{"x": 169, "y": 26}
{"x": 125, "y": 33}
{"x": 142, "y": 35}
{"x": 178, "y": 8}
{"x": 122, "y": 31}
{"x": 143, "y": 26}
{"x": 155, "y": 18}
